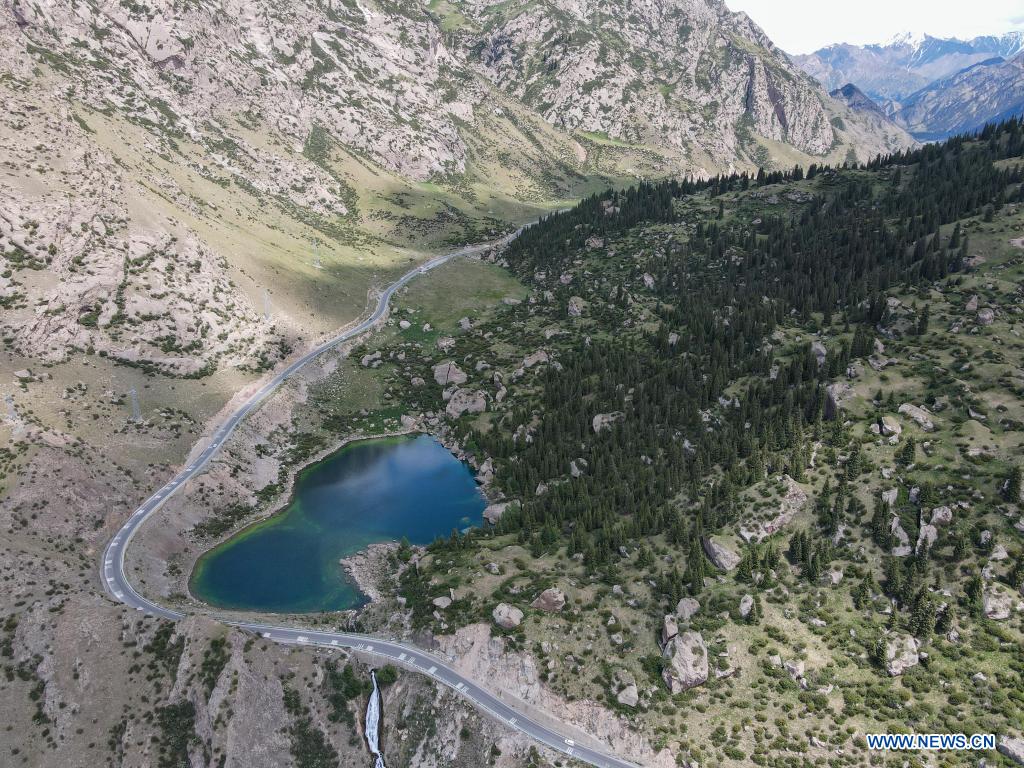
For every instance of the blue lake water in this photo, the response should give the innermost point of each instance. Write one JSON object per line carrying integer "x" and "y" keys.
{"x": 369, "y": 491}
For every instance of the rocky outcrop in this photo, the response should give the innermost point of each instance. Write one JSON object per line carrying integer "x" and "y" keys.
{"x": 493, "y": 512}
{"x": 793, "y": 500}
{"x": 686, "y": 658}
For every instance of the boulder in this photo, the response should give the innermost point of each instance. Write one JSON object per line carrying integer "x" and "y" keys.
{"x": 891, "y": 426}
{"x": 687, "y": 658}
{"x": 986, "y": 317}
{"x": 445, "y": 343}
{"x": 901, "y": 653}
{"x": 370, "y": 360}
{"x": 889, "y": 497}
{"x": 926, "y": 537}
{"x": 23, "y": 375}
{"x": 919, "y": 414}
{"x": 493, "y": 512}
{"x": 628, "y": 696}
{"x": 466, "y": 401}
{"x": 792, "y": 502}
{"x": 604, "y": 421}
{"x": 723, "y": 557}
{"x": 540, "y": 356}
{"x": 1011, "y": 747}
{"x": 942, "y": 516}
{"x": 746, "y": 605}
{"x": 819, "y": 352}
{"x": 575, "y": 306}
{"x": 902, "y": 548}
{"x": 997, "y": 602}
{"x": 669, "y": 629}
{"x": 550, "y": 600}
{"x": 442, "y": 602}
{"x": 972, "y": 304}
{"x": 449, "y": 373}
{"x": 687, "y": 608}
{"x": 507, "y": 616}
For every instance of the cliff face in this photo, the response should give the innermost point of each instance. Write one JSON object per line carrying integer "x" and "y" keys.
{"x": 687, "y": 73}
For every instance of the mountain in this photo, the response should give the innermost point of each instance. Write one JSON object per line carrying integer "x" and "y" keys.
{"x": 238, "y": 142}
{"x": 857, "y": 100}
{"x": 904, "y": 64}
{"x": 989, "y": 91}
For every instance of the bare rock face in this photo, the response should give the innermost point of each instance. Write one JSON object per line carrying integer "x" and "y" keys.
{"x": 449, "y": 373}
{"x": 719, "y": 554}
{"x": 551, "y": 600}
{"x": 507, "y": 616}
{"x": 466, "y": 401}
{"x": 687, "y": 608}
{"x": 746, "y": 605}
{"x": 687, "y": 658}
{"x": 901, "y": 653}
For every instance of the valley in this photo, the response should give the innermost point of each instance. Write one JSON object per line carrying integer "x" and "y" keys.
{"x": 595, "y": 384}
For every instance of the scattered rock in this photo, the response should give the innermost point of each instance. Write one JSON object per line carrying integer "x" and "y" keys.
{"x": 405, "y": 325}
{"x": 792, "y": 502}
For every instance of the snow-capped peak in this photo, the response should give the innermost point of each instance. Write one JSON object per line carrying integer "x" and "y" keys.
{"x": 912, "y": 39}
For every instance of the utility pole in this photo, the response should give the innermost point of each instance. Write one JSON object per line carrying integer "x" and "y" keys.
{"x": 133, "y": 395}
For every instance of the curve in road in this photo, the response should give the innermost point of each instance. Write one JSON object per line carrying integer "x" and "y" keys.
{"x": 115, "y": 580}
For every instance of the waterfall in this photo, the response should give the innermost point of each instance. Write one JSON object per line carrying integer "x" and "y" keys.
{"x": 373, "y": 723}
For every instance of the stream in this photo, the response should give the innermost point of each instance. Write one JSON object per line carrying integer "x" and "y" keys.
{"x": 373, "y": 709}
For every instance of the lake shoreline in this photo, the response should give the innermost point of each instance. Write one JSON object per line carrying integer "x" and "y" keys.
{"x": 366, "y": 570}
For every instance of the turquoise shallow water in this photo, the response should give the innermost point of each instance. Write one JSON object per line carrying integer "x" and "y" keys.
{"x": 369, "y": 491}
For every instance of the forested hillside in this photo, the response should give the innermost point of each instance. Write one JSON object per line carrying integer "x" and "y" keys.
{"x": 753, "y": 434}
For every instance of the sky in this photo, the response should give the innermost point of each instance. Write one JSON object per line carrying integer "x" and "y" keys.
{"x": 802, "y": 26}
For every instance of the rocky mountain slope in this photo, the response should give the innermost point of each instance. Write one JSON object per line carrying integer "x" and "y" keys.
{"x": 147, "y": 125}
{"x": 985, "y": 92}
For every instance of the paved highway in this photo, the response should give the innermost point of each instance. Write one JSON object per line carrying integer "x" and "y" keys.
{"x": 116, "y": 583}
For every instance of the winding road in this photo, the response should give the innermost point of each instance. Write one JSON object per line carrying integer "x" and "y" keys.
{"x": 116, "y": 583}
